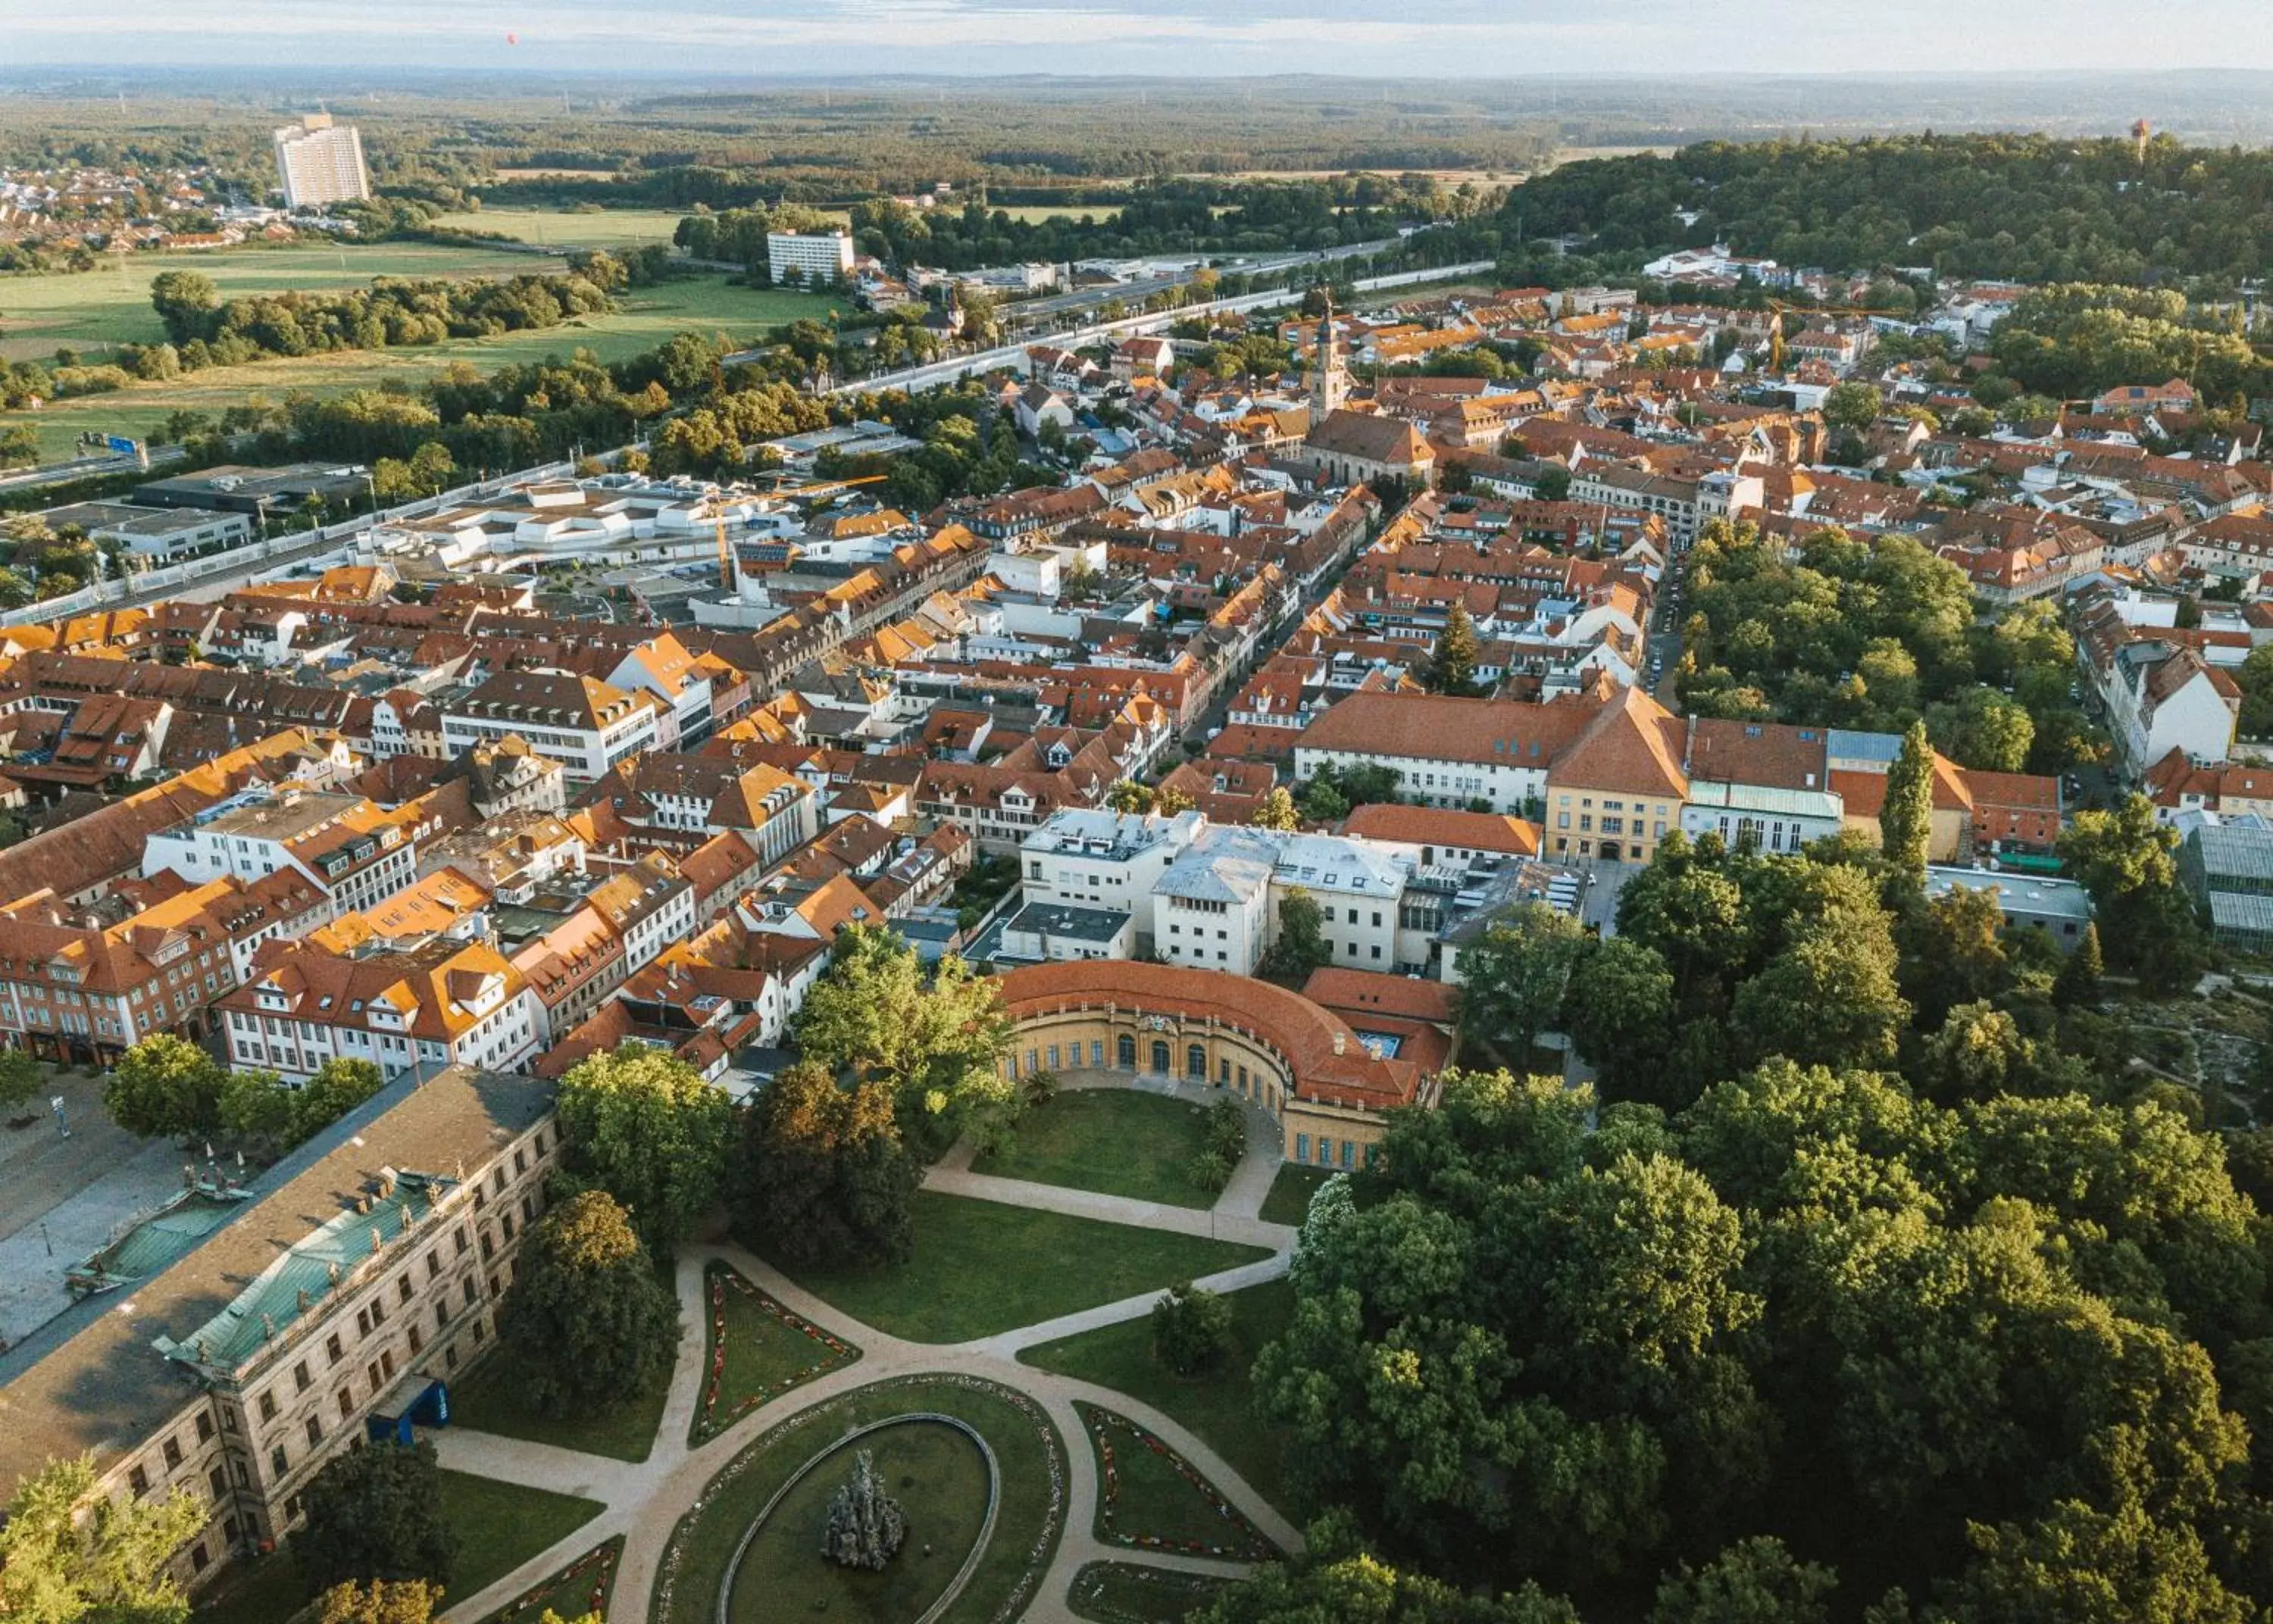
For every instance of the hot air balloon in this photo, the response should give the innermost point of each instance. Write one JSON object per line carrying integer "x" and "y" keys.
{"x": 513, "y": 39}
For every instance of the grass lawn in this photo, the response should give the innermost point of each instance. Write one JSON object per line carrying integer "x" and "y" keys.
{"x": 489, "y": 1401}
{"x": 1118, "y": 1142}
{"x": 586, "y": 1586}
{"x": 646, "y": 317}
{"x": 93, "y": 310}
{"x": 1289, "y": 1200}
{"x": 501, "y": 1525}
{"x": 767, "y": 1351}
{"x": 981, "y": 1267}
{"x": 572, "y": 228}
{"x": 1153, "y": 1499}
{"x": 1027, "y": 1528}
{"x": 1218, "y": 1409}
{"x": 263, "y": 1589}
{"x": 1131, "y": 1593}
{"x": 939, "y": 1480}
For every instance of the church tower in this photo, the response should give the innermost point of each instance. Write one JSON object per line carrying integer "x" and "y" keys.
{"x": 1328, "y": 380}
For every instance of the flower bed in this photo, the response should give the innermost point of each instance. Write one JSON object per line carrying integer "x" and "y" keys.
{"x": 1129, "y": 1593}
{"x": 1230, "y": 1535}
{"x": 760, "y": 1372}
{"x": 582, "y": 1587}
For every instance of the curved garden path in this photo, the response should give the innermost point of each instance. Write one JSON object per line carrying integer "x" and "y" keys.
{"x": 645, "y": 1500}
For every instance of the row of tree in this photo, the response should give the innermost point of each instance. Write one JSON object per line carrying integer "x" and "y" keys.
{"x": 1875, "y": 634}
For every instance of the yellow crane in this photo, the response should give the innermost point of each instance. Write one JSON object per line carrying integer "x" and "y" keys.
{"x": 812, "y": 492}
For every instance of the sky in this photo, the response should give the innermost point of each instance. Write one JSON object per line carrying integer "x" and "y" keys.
{"x": 846, "y": 38}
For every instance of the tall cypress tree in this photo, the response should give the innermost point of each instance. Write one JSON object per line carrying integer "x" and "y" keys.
{"x": 1906, "y": 819}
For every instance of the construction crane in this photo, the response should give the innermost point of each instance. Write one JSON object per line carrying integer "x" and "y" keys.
{"x": 809, "y": 492}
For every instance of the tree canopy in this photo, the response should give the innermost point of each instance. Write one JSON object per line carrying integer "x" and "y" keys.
{"x": 644, "y": 1126}
{"x": 68, "y": 1554}
{"x": 586, "y": 1323}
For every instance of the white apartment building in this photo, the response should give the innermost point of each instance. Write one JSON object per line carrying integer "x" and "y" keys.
{"x": 1086, "y": 859}
{"x": 586, "y": 725}
{"x": 319, "y": 162}
{"x": 815, "y": 256}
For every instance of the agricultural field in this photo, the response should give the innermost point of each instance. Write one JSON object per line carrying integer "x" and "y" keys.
{"x": 572, "y": 228}
{"x": 646, "y": 317}
{"x": 95, "y": 310}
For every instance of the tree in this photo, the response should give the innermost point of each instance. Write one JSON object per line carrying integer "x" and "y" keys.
{"x": 403, "y": 1601}
{"x": 21, "y": 1077}
{"x": 644, "y": 1126}
{"x": 1618, "y": 1009}
{"x": 1853, "y": 406}
{"x": 1301, "y": 946}
{"x": 824, "y": 1179}
{"x": 2078, "y": 981}
{"x": 586, "y": 1324}
{"x": 1986, "y": 730}
{"x": 1276, "y": 811}
{"x": 1321, "y": 803}
{"x": 1129, "y": 796}
{"x": 1512, "y": 979}
{"x": 1453, "y": 668}
{"x": 68, "y": 1554}
{"x": 375, "y": 1512}
{"x": 1906, "y": 816}
{"x": 1191, "y": 1329}
{"x": 1753, "y": 1582}
{"x": 938, "y": 1048}
{"x": 2125, "y": 859}
{"x": 20, "y": 446}
{"x": 183, "y": 301}
{"x": 165, "y": 1086}
{"x": 431, "y": 467}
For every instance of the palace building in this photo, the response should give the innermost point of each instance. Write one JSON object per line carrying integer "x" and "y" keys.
{"x": 1325, "y": 1081}
{"x": 331, "y": 1303}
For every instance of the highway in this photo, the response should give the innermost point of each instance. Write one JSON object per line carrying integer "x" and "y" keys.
{"x": 86, "y": 467}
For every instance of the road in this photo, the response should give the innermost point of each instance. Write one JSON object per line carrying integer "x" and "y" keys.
{"x": 86, "y": 467}
{"x": 1137, "y": 292}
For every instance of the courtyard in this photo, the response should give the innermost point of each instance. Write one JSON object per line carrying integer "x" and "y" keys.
{"x": 1021, "y": 1321}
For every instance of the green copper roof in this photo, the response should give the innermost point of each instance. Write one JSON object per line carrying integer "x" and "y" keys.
{"x": 299, "y": 1280}
{"x": 155, "y": 1242}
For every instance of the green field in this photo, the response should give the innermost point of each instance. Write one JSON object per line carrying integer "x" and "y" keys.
{"x": 489, "y": 1399}
{"x": 501, "y": 1525}
{"x": 570, "y": 229}
{"x": 96, "y": 309}
{"x": 1218, "y": 1409}
{"x": 1117, "y": 1141}
{"x": 1289, "y": 1200}
{"x": 981, "y": 1267}
{"x": 646, "y": 317}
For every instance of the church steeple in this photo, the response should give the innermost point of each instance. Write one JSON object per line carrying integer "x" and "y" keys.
{"x": 1328, "y": 380}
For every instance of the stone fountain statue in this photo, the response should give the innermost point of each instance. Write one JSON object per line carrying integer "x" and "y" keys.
{"x": 866, "y": 1525}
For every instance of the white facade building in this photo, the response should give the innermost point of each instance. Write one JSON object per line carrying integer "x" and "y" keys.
{"x": 319, "y": 162}
{"x": 1107, "y": 860}
{"x": 815, "y": 256}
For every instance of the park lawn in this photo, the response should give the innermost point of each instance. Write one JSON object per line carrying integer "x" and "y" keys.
{"x": 1219, "y": 1410}
{"x": 1147, "y": 1501}
{"x": 570, "y": 1593}
{"x": 1117, "y": 1141}
{"x": 93, "y": 310}
{"x": 768, "y": 1352}
{"x": 1289, "y": 1200}
{"x": 939, "y": 1477}
{"x": 501, "y": 1525}
{"x": 646, "y": 317}
{"x": 1118, "y": 1593}
{"x": 264, "y": 1589}
{"x": 981, "y": 1267}
{"x": 1024, "y": 1442}
{"x": 488, "y": 1401}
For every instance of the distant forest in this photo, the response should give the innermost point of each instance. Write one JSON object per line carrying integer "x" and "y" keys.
{"x": 2028, "y": 207}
